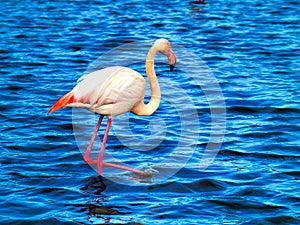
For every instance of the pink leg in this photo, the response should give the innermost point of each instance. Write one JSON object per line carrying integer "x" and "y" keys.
{"x": 87, "y": 157}
{"x": 126, "y": 168}
{"x": 100, "y": 162}
{"x": 101, "y": 153}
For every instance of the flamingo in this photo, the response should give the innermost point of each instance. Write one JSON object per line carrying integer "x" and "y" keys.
{"x": 113, "y": 91}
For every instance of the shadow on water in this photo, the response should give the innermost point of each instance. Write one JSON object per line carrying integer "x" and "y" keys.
{"x": 109, "y": 202}
{"x": 95, "y": 183}
{"x": 97, "y": 206}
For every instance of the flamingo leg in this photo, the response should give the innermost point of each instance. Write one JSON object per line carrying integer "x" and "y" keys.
{"x": 87, "y": 157}
{"x": 101, "y": 153}
{"x": 99, "y": 161}
{"x": 126, "y": 168}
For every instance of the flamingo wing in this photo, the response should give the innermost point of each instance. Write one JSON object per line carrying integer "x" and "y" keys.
{"x": 110, "y": 91}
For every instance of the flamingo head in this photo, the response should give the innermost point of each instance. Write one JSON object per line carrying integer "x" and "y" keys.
{"x": 164, "y": 46}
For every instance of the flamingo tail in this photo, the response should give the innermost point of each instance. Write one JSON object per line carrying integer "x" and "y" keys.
{"x": 62, "y": 102}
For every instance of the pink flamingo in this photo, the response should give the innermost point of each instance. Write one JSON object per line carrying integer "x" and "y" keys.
{"x": 113, "y": 91}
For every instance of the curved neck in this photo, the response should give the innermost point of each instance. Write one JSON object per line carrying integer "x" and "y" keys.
{"x": 154, "y": 86}
{"x": 153, "y": 104}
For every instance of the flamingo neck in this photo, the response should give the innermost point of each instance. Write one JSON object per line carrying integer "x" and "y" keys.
{"x": 152, "y": 105}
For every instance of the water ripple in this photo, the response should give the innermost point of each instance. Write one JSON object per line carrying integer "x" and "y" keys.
{"x": 252, "y": 48}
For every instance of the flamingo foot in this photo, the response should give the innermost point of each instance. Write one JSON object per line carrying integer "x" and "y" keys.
{"x": 139, "y": 172}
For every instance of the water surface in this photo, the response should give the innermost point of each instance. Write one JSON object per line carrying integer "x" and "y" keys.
{"x": 251, "y": 47}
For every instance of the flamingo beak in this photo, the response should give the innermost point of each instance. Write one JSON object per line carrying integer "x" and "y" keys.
{"x": 172, "y": 59}
{"x": 172, "y": 67}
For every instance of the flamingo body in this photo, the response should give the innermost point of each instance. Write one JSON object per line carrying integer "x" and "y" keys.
{"x": 113, "y": 91}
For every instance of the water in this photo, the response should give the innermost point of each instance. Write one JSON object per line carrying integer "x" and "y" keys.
{"x": 252, "y": 48}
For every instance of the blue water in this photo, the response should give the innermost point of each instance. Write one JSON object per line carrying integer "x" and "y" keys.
{"x": 252, "y": 51}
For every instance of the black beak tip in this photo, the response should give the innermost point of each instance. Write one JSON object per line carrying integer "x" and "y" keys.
{"x": 172, "y": 67}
